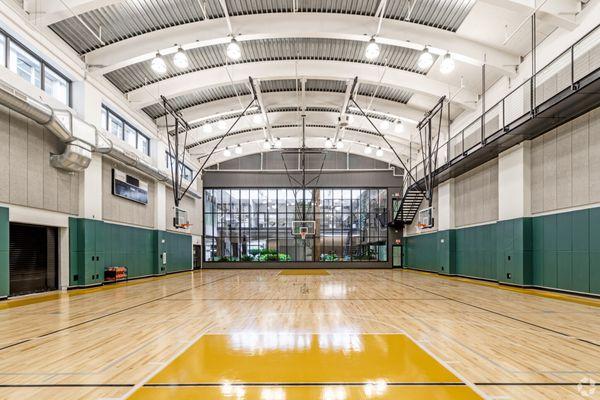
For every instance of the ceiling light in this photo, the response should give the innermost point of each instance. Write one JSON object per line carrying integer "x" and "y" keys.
{"x": 267, "y": 144}
{"x": 158, "y": 64}
{"x": 278, "y": 143}
{"x": 372, "y": 50}
{"x": 425, "y": 59}
{"x": 328, "y": 143}
{"x": 398, "y": 127}
{"x": 221, "y": 124}
{"x": 180, "y": 59}
{"x": 234, "y": 51}
{"x": 368, "y": 149}
{"x": 238, "y": 149}
{"x": 207, "y": 128}
{"x": 384, "y": 125}
{"x": 257, "y": 118}
{"x": 379, "y": 152}
{"x": 447, "y": 64}
{"x": 340, "y": 144}
{"x": 227, "y": 152}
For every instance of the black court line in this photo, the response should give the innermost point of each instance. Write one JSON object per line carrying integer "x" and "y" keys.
{"x": 534, "y": 384}
{"x": 113, "y": 313}
{"x": 128, "y": 385}
{"x": 495, "y": 312}
{"x": 200, "y": 384}
{"x": 306, "y": 299}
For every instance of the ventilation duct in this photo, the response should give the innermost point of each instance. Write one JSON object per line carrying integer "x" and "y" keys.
{"x": 79, "y": 146}
{"x": 77, "y": 154}
{"x": 75, "y": 158}
{"x": 105, "y": 146}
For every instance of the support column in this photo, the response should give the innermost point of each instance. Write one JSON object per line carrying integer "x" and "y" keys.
{"x": 88, "y": 105}
{"x": 514, "y": 228}
{"x": 4, "y": 246}
{"x": 86, "y": 234}
{"x": 445, "y": 225}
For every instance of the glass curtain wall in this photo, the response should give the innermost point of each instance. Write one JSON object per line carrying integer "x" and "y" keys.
{"x": 255, "y": 224}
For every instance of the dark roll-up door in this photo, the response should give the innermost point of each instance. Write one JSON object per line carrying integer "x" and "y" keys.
{"x": 197, "y": 255}
{"x": 33, "y": 259}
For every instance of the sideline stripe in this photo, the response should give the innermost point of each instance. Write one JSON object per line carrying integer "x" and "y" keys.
{"x": 114, "y": 313}
{"x": 58, "y": 295}
{"x": 494, "y": 312}
{"x": 572, "y": 298}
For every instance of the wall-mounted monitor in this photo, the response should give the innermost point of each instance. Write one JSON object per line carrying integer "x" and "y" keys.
{"x": 129, "y": 187}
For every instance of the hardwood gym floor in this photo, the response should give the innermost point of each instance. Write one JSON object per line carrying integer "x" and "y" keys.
{"x": 349, "y": 334}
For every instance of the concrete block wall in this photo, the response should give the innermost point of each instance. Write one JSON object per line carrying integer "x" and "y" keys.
{"x": 27, "y": 178}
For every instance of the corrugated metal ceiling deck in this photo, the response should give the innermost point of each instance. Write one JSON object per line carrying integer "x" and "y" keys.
{"x": 135, "y": 17}
{"x": 137, "y": 75}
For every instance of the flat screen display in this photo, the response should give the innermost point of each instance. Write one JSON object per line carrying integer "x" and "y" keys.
{"x": 129, "y": 187}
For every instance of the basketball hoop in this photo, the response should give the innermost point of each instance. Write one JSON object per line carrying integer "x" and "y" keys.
{"x": 185, "y": 226}
{"x": 303, "y": 232}
{"x": 303, "y": 229}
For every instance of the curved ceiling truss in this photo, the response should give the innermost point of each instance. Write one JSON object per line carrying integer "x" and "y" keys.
{"x": 396, "y": 34}
{"x": 209, "y": 103}
{"x": 401, "y": 79}
{"x": 253, "y": 141}
{"x": 138, "y": 75}
{"x": 321, "y": 102}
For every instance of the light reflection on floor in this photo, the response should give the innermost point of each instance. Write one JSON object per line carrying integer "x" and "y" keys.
{"x": 286, "y": 365}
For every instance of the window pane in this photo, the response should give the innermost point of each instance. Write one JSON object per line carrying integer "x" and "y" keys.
{"x": 56, "y": 86}
{"x": 115, "y": 125}
{"x": 254, "y": 225}
{"x": 104, "y": 117}
{"x": 143, "y": 144}
{"x": 24, "y": 65}
{"x": 188, "y": 174}
{"x": 2, "y": 50}
{"x": 130, "y": 136}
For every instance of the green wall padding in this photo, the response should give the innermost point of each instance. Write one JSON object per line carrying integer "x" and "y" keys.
{"x": 95, "y": 245}
{"x": 4, "y": 245}
{"x": 421, "y": 252}
{"x": 560, "y": 251}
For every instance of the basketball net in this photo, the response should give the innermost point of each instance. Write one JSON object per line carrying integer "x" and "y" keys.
{"x": 303, "y": 232}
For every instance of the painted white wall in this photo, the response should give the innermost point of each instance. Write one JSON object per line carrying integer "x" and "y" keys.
{"x": 90, "y": 186}
{"x": 514, "y": 180}
{"x": 445, "y": 205}
{"x": 160, "y": 219}
{"x": 63, "y": 258}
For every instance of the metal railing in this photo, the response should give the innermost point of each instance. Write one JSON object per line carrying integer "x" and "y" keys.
{"x": 564, "y": 72}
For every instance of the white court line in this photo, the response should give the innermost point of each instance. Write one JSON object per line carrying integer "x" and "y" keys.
{"x": 451, "y": 369}
{"x": 162, "y": 365}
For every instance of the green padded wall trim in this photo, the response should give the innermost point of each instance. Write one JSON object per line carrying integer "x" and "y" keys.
{"x": 476, "y": 251}
{"x": 446, "y": 250}
{"x": 179, "y": 251}
{"x": 95, "y": 245}
{"x": 514, "y": 251}
{"x": 557, "y": 251}
{"x": 4, "y": 245}
{"x": 421, "y": 252}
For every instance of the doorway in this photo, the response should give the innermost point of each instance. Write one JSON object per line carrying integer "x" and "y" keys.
{"x": 33, "y": 259}
{"x": 197, "y": 255}
{"x": 397, "y": 256}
